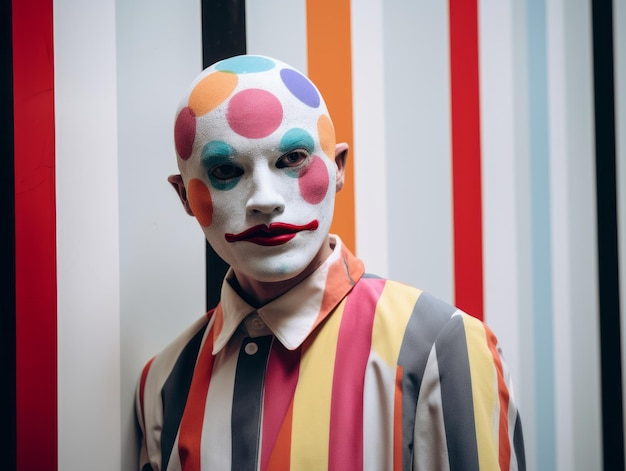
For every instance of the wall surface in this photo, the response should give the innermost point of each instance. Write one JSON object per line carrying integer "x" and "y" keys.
{"x": 130, "y": 264}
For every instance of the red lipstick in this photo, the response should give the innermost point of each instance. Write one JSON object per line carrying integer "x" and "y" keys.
{"x": 277, "y": 233}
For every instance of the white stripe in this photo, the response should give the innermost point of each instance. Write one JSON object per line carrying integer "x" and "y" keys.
{"x": 378, "y": 414}
{"x": 574, "y": 280}
{"x": 87, "y": 235}
{"x": 501, "y": 188}
{"x": 161, "y": 248}
{"x": 418, "y": 149}
{"x": 368, "y": 153}
{"x": 216, "y": 428}
{"x": 430, "y": 430}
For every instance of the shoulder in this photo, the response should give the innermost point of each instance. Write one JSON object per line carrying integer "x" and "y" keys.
{"x": 156, "y": 371}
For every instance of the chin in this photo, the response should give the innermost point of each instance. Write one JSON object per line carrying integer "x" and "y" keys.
{"x": 274, "y": 274}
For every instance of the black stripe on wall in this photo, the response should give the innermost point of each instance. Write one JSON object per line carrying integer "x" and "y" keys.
{"x": 223, "y": 35}
{"x": 8, "y": 444}
{"x": 608, "y": 264}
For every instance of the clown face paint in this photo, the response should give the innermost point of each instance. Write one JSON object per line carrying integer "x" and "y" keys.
{"x": 256, "y": 151}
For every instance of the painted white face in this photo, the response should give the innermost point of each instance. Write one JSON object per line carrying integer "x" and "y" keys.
{"x": 256, "y": 151}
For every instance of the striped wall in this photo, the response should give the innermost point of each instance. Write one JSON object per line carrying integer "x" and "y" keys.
{"x": 477, "y": 132}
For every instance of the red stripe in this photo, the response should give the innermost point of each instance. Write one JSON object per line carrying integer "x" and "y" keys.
{"x": 466, "y": 166}
{"x": 280, "y": 386}
{"x": 353, "y": 349}
{"x": 190, "y": 432}
{"x": 35, "y": 235}
{"x": 397, "y": 422}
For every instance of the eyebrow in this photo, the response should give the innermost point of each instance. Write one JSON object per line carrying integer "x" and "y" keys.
{"x": 297, "y": 138}
{"x": 216, "y": 151}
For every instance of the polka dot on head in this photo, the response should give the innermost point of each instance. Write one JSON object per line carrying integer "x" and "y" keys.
{"x": 185, "y": 132}
{"x": 254, "y": 113}
{"x": 245, "y": 64}
{"x": 313, "y": 181}
{"x": 212, "y": 91}
{"x": 326, "y": 132}
{"x": 301, "y": 87}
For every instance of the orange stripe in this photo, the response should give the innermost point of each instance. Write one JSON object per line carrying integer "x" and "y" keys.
{"x": 329, "y": 66}
{"x": 397, "y": 422}
{"x": 504, "y": 445}
{"x": 190, "y": 433}
{"x": 281, "y": 454}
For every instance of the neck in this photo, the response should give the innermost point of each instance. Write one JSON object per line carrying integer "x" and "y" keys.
{"x": 258, "y": 293}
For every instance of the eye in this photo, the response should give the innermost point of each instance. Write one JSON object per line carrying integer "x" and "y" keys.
{"x": 292, "y": 159}
{"x": 225, "y": 172}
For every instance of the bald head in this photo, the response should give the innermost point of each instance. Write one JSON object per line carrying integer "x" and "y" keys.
{"x": 251, "y": 97}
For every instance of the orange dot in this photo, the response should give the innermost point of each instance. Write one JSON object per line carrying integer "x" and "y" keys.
{"x": 326, "y": 132}
{"x": 200, "y": 201}
{"x": 211, "y": 92}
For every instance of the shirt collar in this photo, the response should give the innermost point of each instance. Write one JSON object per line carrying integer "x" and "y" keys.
{"x": 295, "y": 314}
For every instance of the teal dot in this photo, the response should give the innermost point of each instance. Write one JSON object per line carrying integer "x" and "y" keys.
{"x": 217, "y": 154}
{"x": 216, "y": 150}
{"x": 245, "y": 64}
{"x": 297, "y": 138}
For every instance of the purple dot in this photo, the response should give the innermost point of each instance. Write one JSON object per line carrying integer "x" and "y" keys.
{"x": 301, "y": 87}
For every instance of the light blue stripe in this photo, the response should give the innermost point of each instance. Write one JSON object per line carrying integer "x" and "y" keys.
{"x": 541, "y": 271}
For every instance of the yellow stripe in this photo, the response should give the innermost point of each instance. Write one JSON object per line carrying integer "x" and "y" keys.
{"x": 391, "y": 319}
{"x": 311, "y": 412}
{"x": 484, "y": 387}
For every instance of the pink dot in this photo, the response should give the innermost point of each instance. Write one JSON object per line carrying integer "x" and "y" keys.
{"x": 313, "y": 181}
{"x": 254, "y": 113}
{"x": 185, "y": 132}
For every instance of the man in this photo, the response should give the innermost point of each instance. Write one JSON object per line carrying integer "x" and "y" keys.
{"x": 307, "y": 363}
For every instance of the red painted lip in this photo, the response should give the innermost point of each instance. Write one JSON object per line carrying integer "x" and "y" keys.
{"x": 277, "y": 233}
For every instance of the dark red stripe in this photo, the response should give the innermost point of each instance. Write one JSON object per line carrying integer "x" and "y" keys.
{"x": 35, "y": 245}
{"x": 466, "y": 167}
{"x": 353, "y": 348}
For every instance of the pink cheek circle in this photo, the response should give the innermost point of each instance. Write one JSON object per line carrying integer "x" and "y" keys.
{"x": 313, "y": 181}
{"x": 200, "y": 201}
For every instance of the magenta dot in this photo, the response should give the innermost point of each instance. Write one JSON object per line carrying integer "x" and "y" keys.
{"x": 254, "y": 113}
{"x": 313, "y": 181}
{"x": 185, "y": 132}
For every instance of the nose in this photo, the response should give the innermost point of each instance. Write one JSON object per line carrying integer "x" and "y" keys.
{"x": 265, "y": 196}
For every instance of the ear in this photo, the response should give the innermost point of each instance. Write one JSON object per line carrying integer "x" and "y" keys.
{"x": 341, "y": 156}
{"x": 177, "y": 183}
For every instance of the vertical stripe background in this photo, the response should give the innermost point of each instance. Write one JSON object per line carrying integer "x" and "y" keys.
{"x": 108, "y": 268}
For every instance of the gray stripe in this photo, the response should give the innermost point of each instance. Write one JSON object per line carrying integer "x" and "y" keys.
{"x": 428, "y": 318}
{"x": 247, "y": 397}
{"x": 518, "y": 445}
{"x": 456, "y": 396}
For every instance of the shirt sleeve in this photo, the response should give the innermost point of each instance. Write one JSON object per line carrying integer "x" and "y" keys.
{"x": 466, "y": 415}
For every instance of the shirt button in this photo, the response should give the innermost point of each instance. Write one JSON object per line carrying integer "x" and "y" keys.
{"x": 257, "y": 323}
{"x": 251, "y": 348}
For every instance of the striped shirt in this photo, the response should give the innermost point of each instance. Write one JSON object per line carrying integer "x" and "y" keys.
{"x": 345, "y": 371}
